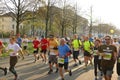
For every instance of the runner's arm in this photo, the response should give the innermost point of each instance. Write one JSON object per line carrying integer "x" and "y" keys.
{"x": 115, "y": 54}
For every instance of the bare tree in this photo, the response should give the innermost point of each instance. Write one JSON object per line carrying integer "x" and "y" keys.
{"x": 63, "y": 17}
{"x": 49, "y": 15}
{"x": 18, "y": 8}
{"x": 2, "y": 7}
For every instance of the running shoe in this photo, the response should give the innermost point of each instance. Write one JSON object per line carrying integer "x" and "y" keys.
{"x": 5, "y": 71}
{"x": 70, "y": 73}
{"x": 50, "y": 71}
{"x": 56, "y": 70}
{"x": 79, "y": 62}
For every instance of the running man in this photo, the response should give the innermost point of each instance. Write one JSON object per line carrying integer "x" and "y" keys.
{"x": 116, "y": 43}
{"x": 76, "y": 44}
{"x": 13, "y": 50}
{"x": 87, "y": 45}
{"x": 1, "y": 47}
{"x": 36, "y": 43}
{"x": 64, "y": 51}
{"x": 43, "y": 46}
{"x": 19, "y": 42}
{"x": 53, "y": 53}
{"x": 25, "y": 44}
{"x": 109, "y": 55}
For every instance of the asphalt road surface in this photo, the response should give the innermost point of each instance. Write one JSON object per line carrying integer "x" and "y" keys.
{"x": 27, "y": 70}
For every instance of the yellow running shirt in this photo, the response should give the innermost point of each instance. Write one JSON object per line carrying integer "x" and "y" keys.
{"x": 76, "y": 44}
{"x": 87, "y": 45}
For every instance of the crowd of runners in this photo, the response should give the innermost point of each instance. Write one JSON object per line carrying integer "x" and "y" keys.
{"x": 102, "y": 53}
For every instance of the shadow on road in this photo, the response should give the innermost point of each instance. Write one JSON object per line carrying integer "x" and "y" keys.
{"x": 27, "y": 70}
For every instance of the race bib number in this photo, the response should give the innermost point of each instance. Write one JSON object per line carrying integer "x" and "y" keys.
{"x": 107, "y": 56}
{"x": 35, "y": 49}
{"x": 100, "y": 57}
{"x": 76, "y": 49}
{"x": 10, "y": 50}
{"x": 95, "y": 52}
{"x": 61, "y": 60}
{"x": 91, "y": 52}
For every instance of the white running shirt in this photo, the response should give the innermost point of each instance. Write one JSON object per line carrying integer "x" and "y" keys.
{"x": 15, "y": 48}
{"x": 25, "y": 41}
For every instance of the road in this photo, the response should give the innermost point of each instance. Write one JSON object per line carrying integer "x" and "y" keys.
{"x": 27, "y": 70}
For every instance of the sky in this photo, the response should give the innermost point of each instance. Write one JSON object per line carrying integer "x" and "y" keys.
{"x": 105, "y": 11}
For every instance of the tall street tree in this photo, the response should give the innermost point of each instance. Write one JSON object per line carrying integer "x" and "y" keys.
{"x": 18, "y": 8}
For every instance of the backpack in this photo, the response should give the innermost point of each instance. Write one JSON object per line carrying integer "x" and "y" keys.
{"x": 78, "y": 42}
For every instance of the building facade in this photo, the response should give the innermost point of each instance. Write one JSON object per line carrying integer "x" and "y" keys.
{"x": 8, "y": 24}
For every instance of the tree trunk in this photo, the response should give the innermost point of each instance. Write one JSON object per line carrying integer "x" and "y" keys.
{"x": 62, "y": 30}
{"x": 46, "y": 28}
{"x": 18, "y": 17}
{"x": 17, "y": 27}
{"x": 47, "y": 18}
{"x": 73, "y": 30}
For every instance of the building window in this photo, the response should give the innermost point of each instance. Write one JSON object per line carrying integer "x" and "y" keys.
{"x": 13, "y": 26}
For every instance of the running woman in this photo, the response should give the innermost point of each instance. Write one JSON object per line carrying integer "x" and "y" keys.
{"x": 97, "y": 58}
{"x": 13, "y": 48}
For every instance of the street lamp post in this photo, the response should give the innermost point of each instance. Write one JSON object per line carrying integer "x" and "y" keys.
{"x": 112, "y": 32}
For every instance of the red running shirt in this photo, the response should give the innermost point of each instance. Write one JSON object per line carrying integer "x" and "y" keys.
{"x": 0, "y": 43}
{"x": 44, "y": 44}
{"x": 36, "y": 43}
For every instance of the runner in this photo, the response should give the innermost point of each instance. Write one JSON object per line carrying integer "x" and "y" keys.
{"x": 64, "y": 52}
{"x": 109, "y": 56}
{"x": 44, "y": 45}
{"x": 118, "y": 62}
{"x": 25, "y": 44}
{"x": 53, "y": 52}
{"x": 76, "y": 44}
{"x": 87, "y": 48}
{"x": 97, "y": 58}
{"x": 19, "y": 42}
{"x": 116, "y": 43}
{"x": 13, "y": 49}
{"x": 36, "y": 48}
{"x": 1, "y": 47}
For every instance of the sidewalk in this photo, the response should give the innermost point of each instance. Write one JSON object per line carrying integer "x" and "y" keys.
{"x": 89, "y": 75}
